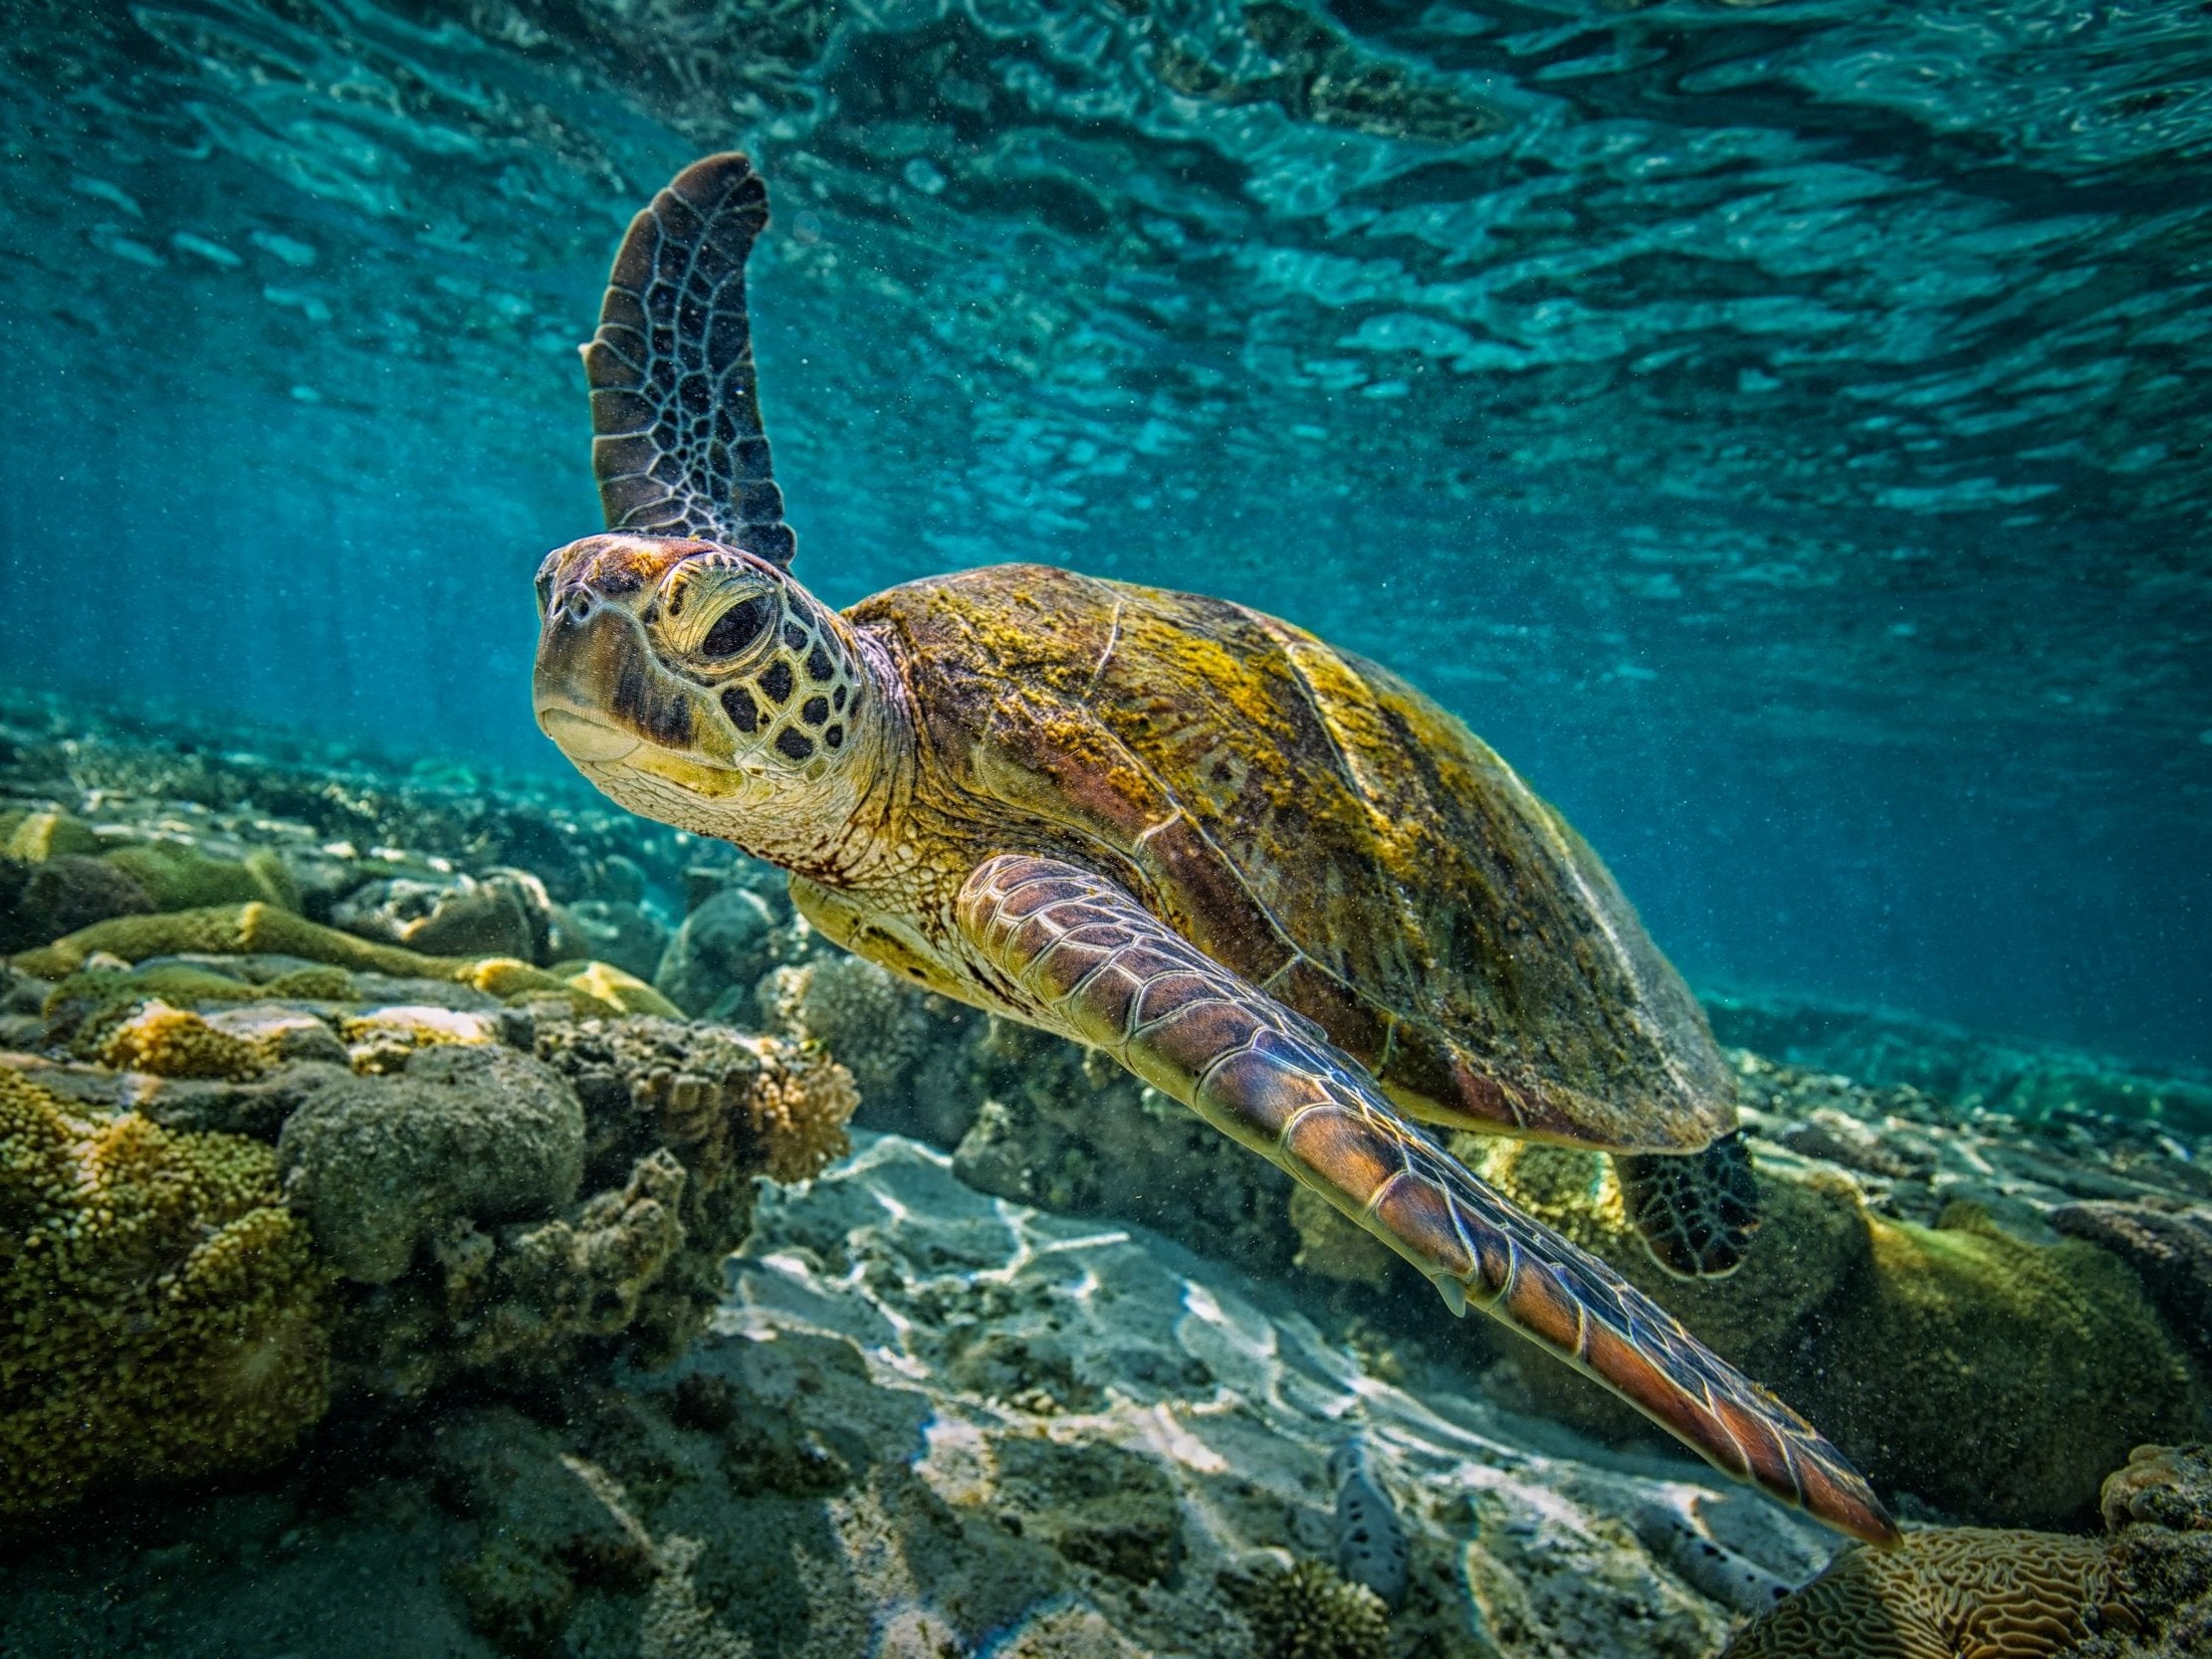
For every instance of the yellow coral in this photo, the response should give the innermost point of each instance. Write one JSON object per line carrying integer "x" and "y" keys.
{"x": 626, "y": 992}
{"x": 161, "y": 1314}
{"x": 799, "y": 1106}
{"x": 36, "y": 837}
{"x": 264, "y": 928}
{"x": 1309, "y": 1612}
{"x": 173, "y": 1042}
{"x": 1943, "y": 1593}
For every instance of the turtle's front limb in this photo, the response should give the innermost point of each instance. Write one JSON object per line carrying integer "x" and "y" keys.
{"x": 1102, "y": 969}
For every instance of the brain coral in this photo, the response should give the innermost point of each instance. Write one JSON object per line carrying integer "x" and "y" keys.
{"x": 1944, "y": 1594}
{"x": 161, "y": 1312}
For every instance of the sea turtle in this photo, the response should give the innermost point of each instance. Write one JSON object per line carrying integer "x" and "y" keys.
{"x": 1268, "y": 876}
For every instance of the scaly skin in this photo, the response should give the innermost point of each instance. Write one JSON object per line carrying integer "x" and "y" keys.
{"x": 1104, "y": 972}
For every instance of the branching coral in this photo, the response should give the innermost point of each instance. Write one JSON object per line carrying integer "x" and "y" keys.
{"x": 161, "y": 1314}
{"x": 875, "y": 1025}
{"x": 799, "y": 1109}
{"x": 726, "y": 1101}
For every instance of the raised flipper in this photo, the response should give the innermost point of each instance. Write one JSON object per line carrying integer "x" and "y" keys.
{"x": 1696, "y": 1210}
{"x": 677, "y": 442}
{"x": 1095, "y": 965}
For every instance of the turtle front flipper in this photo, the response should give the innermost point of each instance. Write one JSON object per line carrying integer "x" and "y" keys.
{"x": 1095, "y": 965}
{"x": 677, "y": 442}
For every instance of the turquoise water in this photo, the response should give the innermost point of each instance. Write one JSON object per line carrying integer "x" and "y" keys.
{"x": 1780, "y": 429}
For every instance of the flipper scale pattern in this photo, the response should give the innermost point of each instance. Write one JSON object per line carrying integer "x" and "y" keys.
{"x": 1104, "y": 970}
{"x": 677, "y": 442}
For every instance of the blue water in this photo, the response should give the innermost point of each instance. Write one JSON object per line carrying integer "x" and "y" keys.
{"x": 1780, "y": 429}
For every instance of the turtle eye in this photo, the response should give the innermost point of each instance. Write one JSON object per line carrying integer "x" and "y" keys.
{"x": 739, "y": 627}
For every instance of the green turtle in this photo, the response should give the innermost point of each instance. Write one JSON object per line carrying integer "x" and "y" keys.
{"x": 1269, "y": 877}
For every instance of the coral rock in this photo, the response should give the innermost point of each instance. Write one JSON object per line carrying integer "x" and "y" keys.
{"x": 161, "y": 1314}
{"x": 454, "y": 917}
{"x": 378, "y": 1165}
{"x": 721, "y": 948}
{"x": 2169, "y": 1249}
{"x": 615, "y": 932}
{"x": 1945, "y": 1593}
{"x": 44, "y": 900}
{"x": 608, "y": 986}
{"x": 177, "y": 876}
{"x": 35, "y": 837}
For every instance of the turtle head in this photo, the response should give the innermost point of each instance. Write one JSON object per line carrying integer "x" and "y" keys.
{"x": 702, "y": 686}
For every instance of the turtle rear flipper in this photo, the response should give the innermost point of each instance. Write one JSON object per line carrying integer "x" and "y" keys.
{"x": 1097, "y": 966}
{"x": 677, "y": 442}
{"x": 1696, "y": 1210}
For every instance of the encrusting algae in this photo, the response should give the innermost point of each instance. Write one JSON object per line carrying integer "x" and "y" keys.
{"x": 261, "y": 929}
{"x": 2014, "y": 1374}
{"x": 162, "y": 1313}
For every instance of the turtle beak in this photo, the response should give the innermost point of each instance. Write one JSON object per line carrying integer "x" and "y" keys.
{"x": 599, "y": 693}
{"x": 582, "y": 740}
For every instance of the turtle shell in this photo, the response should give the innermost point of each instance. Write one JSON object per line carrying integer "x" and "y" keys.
{"x": 1313, "y": 822}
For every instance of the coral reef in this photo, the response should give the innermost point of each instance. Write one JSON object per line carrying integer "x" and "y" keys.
{"x": 2143, "y": 1591}
{"x": 161, "y": 1314}
{"x": 859, "y": 1012}
{"x": 1993, "y": 1377}
{"x": 1943, "y": 1593}
{"x": 724, "y": 945}
{"x": 1307, "y": 1612}
{"x": 175, "y": 1042}
{"x": 661, "y": 1126}
{"x": 60, "y": 895}
{"x": 723, "y": 1097}
{"x": 466, "y": 1133}
{"x": 265, "y": 929}
{"x": 2160, "y": 1512}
